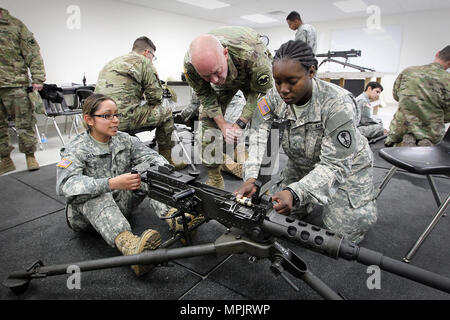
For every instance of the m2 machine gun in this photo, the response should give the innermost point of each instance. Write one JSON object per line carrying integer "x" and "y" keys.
{"x": 330, "y": 55}
{"x": 253, "y": 228}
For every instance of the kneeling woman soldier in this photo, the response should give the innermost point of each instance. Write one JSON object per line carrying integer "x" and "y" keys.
{"x": 94, "y": 176}
{"x": 330, "y": 162}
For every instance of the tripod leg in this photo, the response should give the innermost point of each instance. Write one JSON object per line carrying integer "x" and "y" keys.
{"x": 320, "y": 287}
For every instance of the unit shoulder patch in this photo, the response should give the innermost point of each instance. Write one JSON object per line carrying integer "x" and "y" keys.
{"x": 263, "y": 80}
{"x": 345, "y": 138}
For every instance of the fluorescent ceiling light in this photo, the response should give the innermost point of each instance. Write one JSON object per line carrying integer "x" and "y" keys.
{"x": 351, "y": 5}
{"x": 259, "y": 18}
{"x": 207, "y": 4}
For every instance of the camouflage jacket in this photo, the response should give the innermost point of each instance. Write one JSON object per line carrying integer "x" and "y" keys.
{"x": 320, "y": 138}
{"x": 307, "y": 33}
{"x": 129, "y": 79}
{"x": 19, "y": 52}
{"x": 364, "y": 111}
{"x": 249, "y": 70}
{"x": 85, "y": 168}
{"x": 423, "y": 94}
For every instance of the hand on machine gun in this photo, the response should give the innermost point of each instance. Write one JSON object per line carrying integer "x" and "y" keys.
{"x": 283, "y": 199}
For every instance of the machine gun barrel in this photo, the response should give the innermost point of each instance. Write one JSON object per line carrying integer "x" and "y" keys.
{"x": 328, "y": 243}
{"x": 340, "y": 54}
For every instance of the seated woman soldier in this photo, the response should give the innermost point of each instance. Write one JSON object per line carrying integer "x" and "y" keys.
{"x": 330, "y": 162}
{"x": 94, "y": 176}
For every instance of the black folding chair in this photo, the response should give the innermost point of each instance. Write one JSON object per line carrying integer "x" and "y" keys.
{"x": 80, "y": 95}
{"x": 55, "y": 105}
{"x": 425, "y": 161}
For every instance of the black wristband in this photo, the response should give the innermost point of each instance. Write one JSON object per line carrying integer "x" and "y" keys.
{"x": 241, "y": 124}
{"x": 295, "y": 198}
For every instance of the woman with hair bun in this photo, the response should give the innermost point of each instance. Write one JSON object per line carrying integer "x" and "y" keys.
{"x": 330, "y": 163}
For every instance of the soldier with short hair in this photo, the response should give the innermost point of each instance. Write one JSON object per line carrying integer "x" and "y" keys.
{"x": 19, "y": 53}
{"x": 133, "y": 82}
{"x": 330, "y": 162}
{"x": 217, "y": 65}
{"x": 423, "y": 95}
{"x": 94, "y": 175}
{"x": 304, "y": 32}
{"x": 369, "y": 126}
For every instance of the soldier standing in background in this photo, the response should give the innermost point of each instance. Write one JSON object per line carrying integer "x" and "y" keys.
{"x": 304, "y": 32}
{"x": 369, "y": 126}
{"x": 423, "y": 95}
{"x": 330, "y": 162}
{"x": 132, "y": 81}
{"x": 216, "y": 66}
{"x": 19, "y": 52}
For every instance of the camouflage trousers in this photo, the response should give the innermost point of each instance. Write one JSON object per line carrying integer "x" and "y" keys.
{"x": 211, "y": 139}
{"x": 15, "y": 104}
{"x": 107, "y": 214}
{"x": 346, "y": 212}
{"x": 372, "y": 131}
{"x": 159, "y": 117}
{"x": 419, "y": 121}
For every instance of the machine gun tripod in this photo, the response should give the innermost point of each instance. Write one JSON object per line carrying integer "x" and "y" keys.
{"x": 343, "y": 54}
{"x": 254, "y": 229}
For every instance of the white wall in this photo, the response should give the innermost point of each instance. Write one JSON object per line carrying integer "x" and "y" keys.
{"x": 107, "y": 30}
{"x": 423, "y": 34}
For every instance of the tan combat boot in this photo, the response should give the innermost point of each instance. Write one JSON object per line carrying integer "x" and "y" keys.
{"x": 408, "y": 141}
{"x": 215, "y": 178}
{"x": 232, "y": 167}
{"x": 167, "y": 153}
{"x": 6, "y": 165}
{"x": 129, "y": 244}
{"x": 176, "y": 226}
{"x": 424, "y": 143}
{"x": 32, "y": 163}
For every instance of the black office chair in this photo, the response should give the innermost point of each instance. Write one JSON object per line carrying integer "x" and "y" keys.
{"x": 426, "y": 161}
{"x": 55, "y": 105}
{"x": 80, "y": 95}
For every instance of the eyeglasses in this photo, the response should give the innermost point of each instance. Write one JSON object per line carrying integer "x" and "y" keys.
{"x": 108, "y": 116}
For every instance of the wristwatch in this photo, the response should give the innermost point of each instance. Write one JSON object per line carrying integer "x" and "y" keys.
{"x": 295, "y": 198}
{"x": 241, "y": 124}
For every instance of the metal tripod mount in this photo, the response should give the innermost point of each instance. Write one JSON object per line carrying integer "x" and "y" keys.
{"x": 233, "y": 241}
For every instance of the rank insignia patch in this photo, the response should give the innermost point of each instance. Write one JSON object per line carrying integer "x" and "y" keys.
{"x": 64, "y": 163}
{"x": 263, "y": 106}
{"x": 345, "y": 138}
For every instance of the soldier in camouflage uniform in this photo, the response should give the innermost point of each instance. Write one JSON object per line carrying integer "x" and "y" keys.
{"x": 19, "y": 52}
{"x": 304, "y": 32}
{"x": 369, "y": 126}
{"x": 216, "y": 66}
{"x": 423, "y": 95}
{"x": 132, "y": 81}
{"x": 330, "y": 162}
{"x": 94, "y": 176}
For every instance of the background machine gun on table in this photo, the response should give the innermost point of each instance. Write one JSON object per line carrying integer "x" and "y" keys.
{"x": 331, "y": 55}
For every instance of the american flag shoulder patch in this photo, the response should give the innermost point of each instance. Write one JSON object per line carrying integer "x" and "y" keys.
{"x": 64, "y": 163}
{"x": 263, "y": 106}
